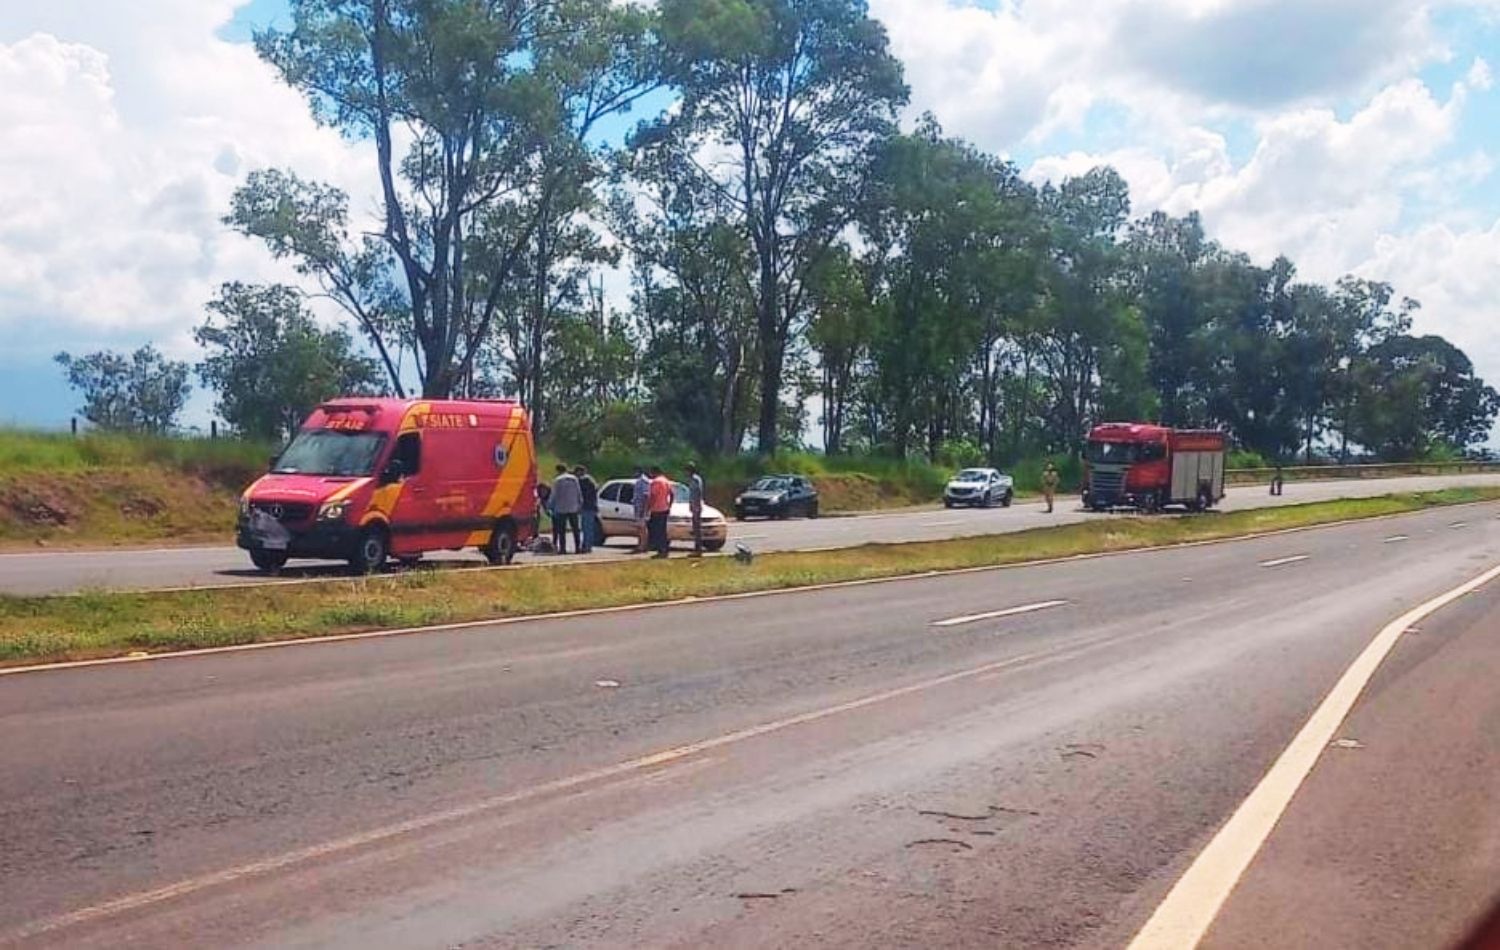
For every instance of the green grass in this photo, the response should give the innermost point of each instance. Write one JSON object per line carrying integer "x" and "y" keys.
{"x": 35, "y": 629}
{"x": 104, "y": 489}
{"x": 27, "y": 451}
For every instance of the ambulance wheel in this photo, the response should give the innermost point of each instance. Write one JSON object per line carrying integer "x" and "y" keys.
{"x": 268, "y": 561}
{"x": 501, "y": 548}
{"x": 373, "y": 548}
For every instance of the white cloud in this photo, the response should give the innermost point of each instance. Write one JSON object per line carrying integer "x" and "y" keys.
{"x": 127, "y": 129}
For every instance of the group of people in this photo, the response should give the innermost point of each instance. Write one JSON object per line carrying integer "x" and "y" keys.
{"x": 572, "y": 503}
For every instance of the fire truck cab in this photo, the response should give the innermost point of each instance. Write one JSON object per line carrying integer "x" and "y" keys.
{"x": 1135, "y": 465}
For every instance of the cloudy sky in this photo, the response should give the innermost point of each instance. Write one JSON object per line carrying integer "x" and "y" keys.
{"x": 1355, "y": 136}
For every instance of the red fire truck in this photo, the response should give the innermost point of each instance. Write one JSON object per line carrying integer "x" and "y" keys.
{"x": 1134, "y": 465}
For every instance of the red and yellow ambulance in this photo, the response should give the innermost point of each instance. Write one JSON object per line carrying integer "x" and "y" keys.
{"x": 368, "y": 479}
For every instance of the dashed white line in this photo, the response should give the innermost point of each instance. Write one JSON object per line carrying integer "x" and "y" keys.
{"x": 1285, "y": 560}
{"x": 1395, "y": 538}
{"x": 942, "y": 524}
{"x": 1459, "y": 524}
{"x": 993, "y": 614}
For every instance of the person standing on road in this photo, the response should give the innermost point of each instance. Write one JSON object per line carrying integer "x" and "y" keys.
{"x": 659, "y": 499}
{"x": 1277, "y": 481}
{"x": 589, "y": 494}
{"x": 567, "y": 502}
{"x": 642, "y": 503}
{"x": 1049, "y": 485}
{"x": 695, "y": 506}
{"x": 543, "y": 504}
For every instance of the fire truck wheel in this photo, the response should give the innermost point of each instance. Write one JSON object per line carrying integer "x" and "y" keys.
{"x": 501, "y": 548}
{"x": 1205, "y": 499}
{"x": 370, "y": 556}
{"x": 268, "y": 561}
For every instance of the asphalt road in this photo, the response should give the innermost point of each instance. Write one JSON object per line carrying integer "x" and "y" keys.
{"x": 896, "y": 765}
{"x": 62, "y": 571}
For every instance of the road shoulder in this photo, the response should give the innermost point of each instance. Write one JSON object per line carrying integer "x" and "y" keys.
{"x": 1393, "y": 840}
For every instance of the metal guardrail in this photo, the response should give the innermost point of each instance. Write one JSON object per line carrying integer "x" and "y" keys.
{"x": 1291, "y": 473}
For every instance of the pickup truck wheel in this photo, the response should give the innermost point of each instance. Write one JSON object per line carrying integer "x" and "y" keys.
{"x": 501, "y": 548}
{"x": 812, "y": 509}
{"x": 369, "y": 557}
{"x": 1007, "y": 498}
{"x": 266, "y": 561}
{"x": 947, "y": 503}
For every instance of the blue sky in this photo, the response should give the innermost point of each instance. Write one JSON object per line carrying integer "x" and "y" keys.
{"x": 1353, "y": 135}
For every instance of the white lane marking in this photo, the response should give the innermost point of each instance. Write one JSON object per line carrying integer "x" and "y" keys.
{"x": 943, "y": 524}
{"x": 749, "y": 537}
{"x": 1181, "y": 920}
{"x": 1459, "y": 524}
{"x": 1007, "y": 612}
{"x": 375, "y": 836}
{"x": 1395, "y": 538}
{"x": 1285, "y": 560}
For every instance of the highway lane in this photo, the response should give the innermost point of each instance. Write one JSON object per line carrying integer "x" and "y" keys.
{"x": 1021, "y": 757}
{"x": 62, "y": 571}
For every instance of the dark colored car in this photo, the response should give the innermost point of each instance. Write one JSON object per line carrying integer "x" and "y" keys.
{"x": 777, "y": 496}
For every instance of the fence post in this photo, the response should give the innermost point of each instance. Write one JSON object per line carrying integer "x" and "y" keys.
{"x": 73, "y": 420}
{"x": 213, "y": 428}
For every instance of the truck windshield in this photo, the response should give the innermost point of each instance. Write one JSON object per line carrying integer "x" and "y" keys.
{"x": 331, "y": 452}
{"x": 1113, "y": 453}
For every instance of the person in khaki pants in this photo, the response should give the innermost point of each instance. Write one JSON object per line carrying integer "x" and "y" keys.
{"x": 1049, "y": 485}
{"x": 642, "y": 505}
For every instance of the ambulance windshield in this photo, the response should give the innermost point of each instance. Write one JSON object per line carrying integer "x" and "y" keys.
{"x": 331, "y": 452}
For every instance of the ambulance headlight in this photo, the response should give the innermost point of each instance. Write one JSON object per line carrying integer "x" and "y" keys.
{"x": 333, "y": 511}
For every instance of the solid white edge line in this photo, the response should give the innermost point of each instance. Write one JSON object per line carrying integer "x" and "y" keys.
{"x": 1395, "y": 538}
{"x": 689, "y": 601}
{"x": 1189, "y": 909}
{"x": 994, "y": 614}
{"x": 1278, "y": 562}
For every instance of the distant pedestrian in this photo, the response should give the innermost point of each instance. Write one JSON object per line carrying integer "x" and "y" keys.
{"x": 589, "y": 493}
{"x": 641, "y": 502}
{"x": 567, "y": 503}
{"x": 1049, "y": 485}
{"x": 543, "y": 504}
{"x": 659, "y": 500}
{"x": 695, "y": 506}
{"x": 1278, "y": 484}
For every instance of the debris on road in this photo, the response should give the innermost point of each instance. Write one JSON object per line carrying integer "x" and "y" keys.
{"x": 1347, "y": 744}
{"x": 607, "y": 684}
{"x": 964, "y": 845}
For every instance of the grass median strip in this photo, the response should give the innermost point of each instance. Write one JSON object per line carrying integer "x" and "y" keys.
{"x": 44, "y": 629}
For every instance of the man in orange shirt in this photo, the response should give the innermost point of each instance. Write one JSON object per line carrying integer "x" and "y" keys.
{"x": 659, "y": 510}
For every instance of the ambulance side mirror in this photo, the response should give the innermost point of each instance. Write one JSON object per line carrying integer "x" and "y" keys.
{"x": 271, "y": 464}
{"x": 394, "y": 472}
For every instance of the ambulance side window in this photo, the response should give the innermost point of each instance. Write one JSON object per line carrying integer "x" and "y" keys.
{"x": 407, "y": 459}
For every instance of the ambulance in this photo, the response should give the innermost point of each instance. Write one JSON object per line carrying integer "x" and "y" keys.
{"x": 365, "y": 480}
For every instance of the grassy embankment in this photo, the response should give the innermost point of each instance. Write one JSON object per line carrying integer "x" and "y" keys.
{"x": 100, "y": 490}
{"x": 103, "y": 624}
